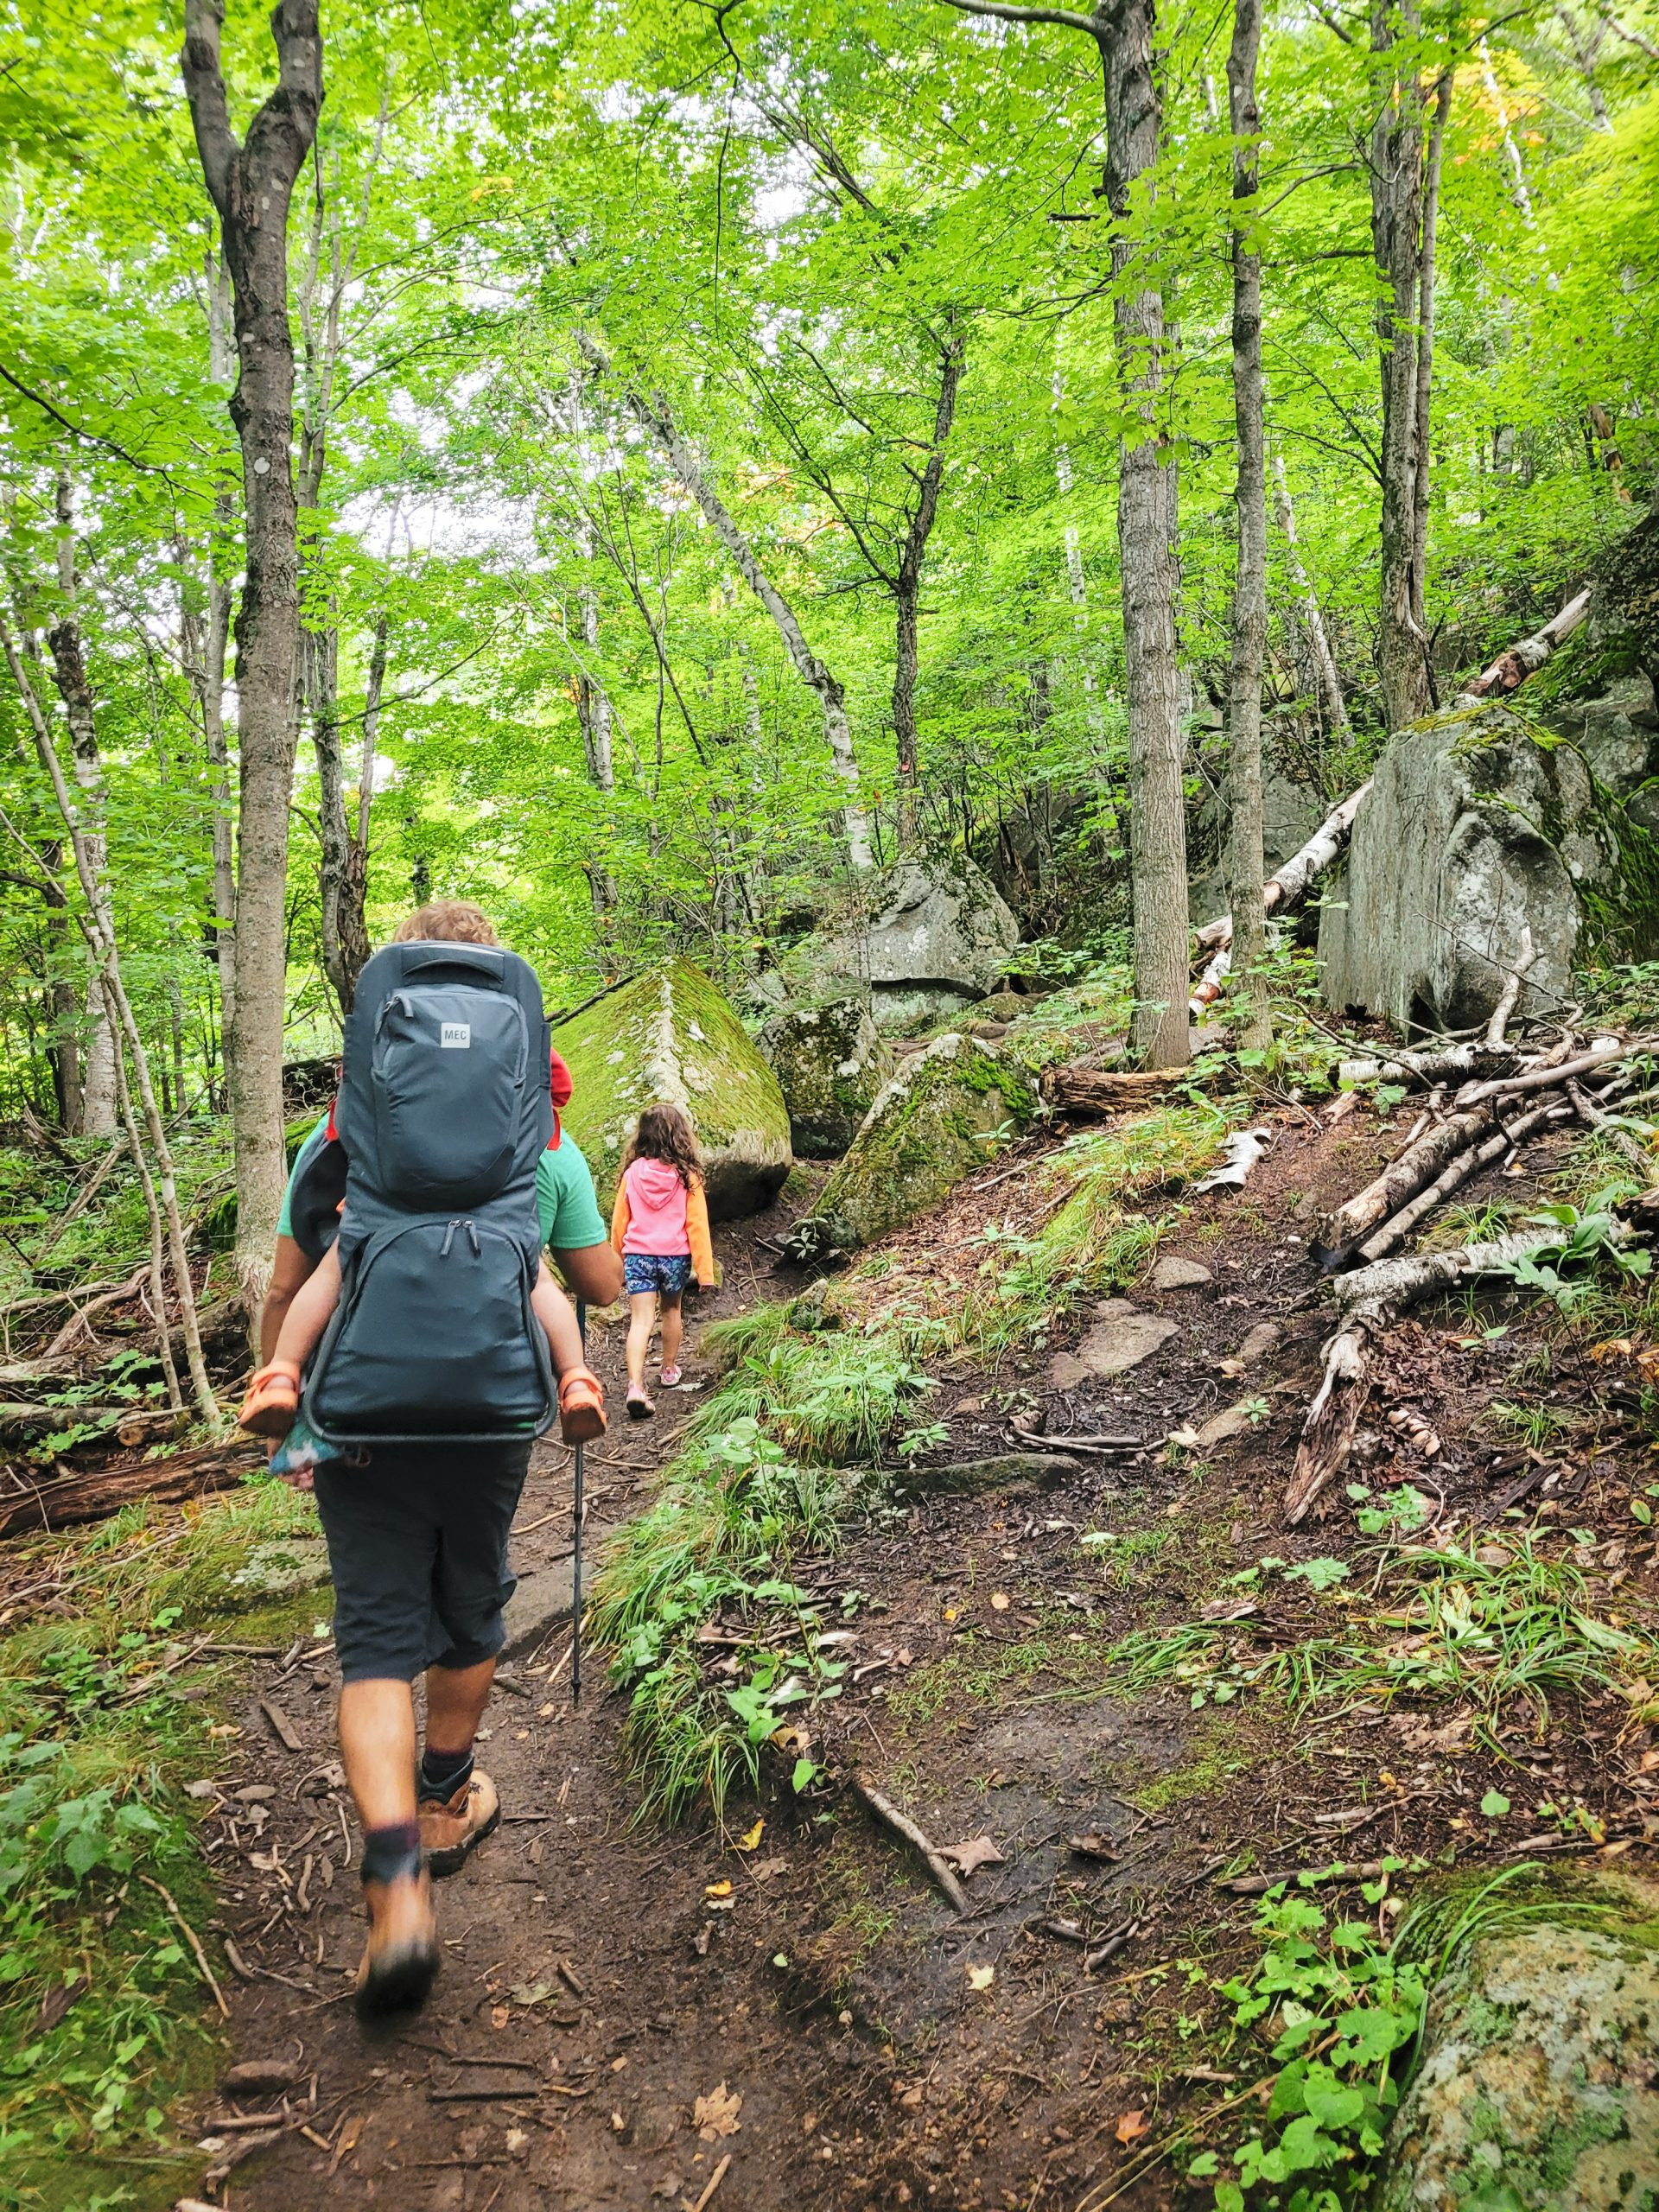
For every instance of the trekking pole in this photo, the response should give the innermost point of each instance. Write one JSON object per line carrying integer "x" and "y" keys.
{"x": 575, "y": 1572}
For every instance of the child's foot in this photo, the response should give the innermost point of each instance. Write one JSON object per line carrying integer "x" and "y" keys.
{"x": 581, "y": 1406}
{"x": 671, "y": 1378}
{"x": 639, "y": 1406}
{"x": 273, "y": 1399}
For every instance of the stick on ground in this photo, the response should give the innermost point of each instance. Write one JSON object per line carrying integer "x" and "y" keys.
{"x": 901, "y": 1824}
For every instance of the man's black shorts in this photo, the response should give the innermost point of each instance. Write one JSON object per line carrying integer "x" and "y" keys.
{"x": 417, "y": 1546}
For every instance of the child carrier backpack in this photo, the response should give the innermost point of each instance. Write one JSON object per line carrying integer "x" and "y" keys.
{"x": 443, "y": 1113}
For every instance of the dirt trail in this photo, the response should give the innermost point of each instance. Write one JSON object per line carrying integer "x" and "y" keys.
{"x": 599, "y": 1980}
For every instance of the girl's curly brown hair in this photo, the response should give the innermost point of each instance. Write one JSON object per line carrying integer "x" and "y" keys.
{"x": 665, "y": 1133}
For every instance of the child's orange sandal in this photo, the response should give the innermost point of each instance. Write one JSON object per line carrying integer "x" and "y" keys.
{"x": 581, "y": 1406}
{"x": 272, "y": 1402}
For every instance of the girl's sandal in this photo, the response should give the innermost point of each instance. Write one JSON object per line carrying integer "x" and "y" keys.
{"x": 671, "y": 1378}
{"x": 639, "y": 1406}
{"x": 581, "y": 1406}
{"x": 272, "y": 1401}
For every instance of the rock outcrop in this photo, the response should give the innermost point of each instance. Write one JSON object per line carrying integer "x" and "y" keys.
{"x": 1539, "y": 2086}
{"x": 829, "y": 1060}
{"x": 670, "y": 1036}
{"x": 1482, "y": 833}
{"x": 938, "y": 938}
{"x": 939, "y": 1119}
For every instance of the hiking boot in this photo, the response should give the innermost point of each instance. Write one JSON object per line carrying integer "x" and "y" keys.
{"x": 581, "y": 1406}
{"x": 450, "y": 1827}
{"x": 272, "y": 1401}
{"x": 400, "y": 1963}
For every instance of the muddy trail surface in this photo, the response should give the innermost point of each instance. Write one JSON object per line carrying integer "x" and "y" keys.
{"x": 791, "y": 2012}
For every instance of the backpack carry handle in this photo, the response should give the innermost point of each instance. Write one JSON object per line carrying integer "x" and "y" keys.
{"x": 484, "y": 959}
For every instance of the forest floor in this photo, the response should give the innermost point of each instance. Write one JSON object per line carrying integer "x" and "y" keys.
{"x": 1129, "y": 1686}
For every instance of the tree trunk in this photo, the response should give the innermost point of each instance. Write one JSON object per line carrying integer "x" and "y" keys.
{"x": 251, "y": 184}
{"x": 1146, "y": 527}
{"x": 1424, "y": 383}
{"x": 97, "y": 1115}
{"x": 1245, "y": 863}
{"x": 1333, "y": 708}
{"x": 654, "y": 415}
{"x": 61, "y": 1004}
{"x": 907, "y": 594}
{"x": 1396, "y": 182}
{"x": 321, "y": 651}
{"x": 101, "y": 943}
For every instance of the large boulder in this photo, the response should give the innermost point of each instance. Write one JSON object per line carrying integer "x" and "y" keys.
{"x": 669, "y": 1036}
{"x": 937, "y": 937}
{"x": 1539, "y": 2086}
{"x": 939, "y": 1118}
{"x": 1482, "y": 831}
{"x": 829, "y": 1060}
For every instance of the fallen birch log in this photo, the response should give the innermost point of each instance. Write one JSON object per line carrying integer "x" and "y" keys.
{"x": 1430, "y": 1071}
{"x": 1369, "y": 1300}
{"x": 1546, "y": 1074}
{"x": 1394, "y": 1231}
{"x": 1289, "y": 882}
{"x": 1511, "y": 669}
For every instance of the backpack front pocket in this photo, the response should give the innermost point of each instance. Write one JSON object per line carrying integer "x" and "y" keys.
{"x": 449, "y": 1063}
{"x": 433, "y": 1336}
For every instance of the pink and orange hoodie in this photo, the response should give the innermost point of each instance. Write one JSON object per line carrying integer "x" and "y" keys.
{"x": 654, "y": 1212}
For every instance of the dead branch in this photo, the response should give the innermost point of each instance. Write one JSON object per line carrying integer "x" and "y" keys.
{"x": 902, "y": 1826}
{"x": 1429, "y": 1070}
{"x": 1547, "y": 1073}
{"x": 1500, "y": 1021}
{"x": 1511, "y": 669}
{"x": 79, "y": 1319}
{"x": 1369, "y": 1302}
{"x": 1592, "y": 1117}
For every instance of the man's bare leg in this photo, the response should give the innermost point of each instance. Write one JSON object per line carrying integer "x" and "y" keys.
{"x": 377, "y": 1744}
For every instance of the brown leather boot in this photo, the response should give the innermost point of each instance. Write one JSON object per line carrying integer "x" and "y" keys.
{"x": 451, "y": 1826}
{"x": 401, "y": 1961}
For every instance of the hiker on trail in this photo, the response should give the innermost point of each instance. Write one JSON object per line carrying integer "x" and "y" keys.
{"x": 660, "y": 1226}
{"x": 431, "y": 1383}
{"x": 272, "y": 1402}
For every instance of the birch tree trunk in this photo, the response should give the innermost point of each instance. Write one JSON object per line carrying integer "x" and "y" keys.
{"x": 1333, "y": 708}
{"x": 1246, "y": 865}
{"x": 655, "y": 415}
{"x": 908, "y": 588}
{"x": 98, "y": 1116}
{"x": 205, "y": 644}
{"x": 252, "y": 185}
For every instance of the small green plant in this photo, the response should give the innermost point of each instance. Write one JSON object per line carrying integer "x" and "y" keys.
{"x": 1345, "y": 2007}
{"x": 1585, "y": 1239}
{"x": 1399, "y": 1512}
{"x": 926, "y": 1436}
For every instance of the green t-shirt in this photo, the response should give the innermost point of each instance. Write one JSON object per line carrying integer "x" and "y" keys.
{"x": 570, "y": 1211}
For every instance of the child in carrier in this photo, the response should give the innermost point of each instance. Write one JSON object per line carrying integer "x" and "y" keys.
{"x": 660, "y": 1226}
{"x": 273, "y": 1398}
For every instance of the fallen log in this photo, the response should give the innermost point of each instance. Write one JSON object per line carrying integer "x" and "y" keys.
{"x": 1511, "y": 669}
{"x": 1399, "y": 1226}
{"x": 1592, "y": 1117}
{"x": 1282, "y": 889}
{"x": 1077, "y": 1090}
{"x": 1369, "y": 1302}
{"x": 1429, "y": 1071}
{"x": 1547, "y": 1073}
{"x": 76, "y": 1498}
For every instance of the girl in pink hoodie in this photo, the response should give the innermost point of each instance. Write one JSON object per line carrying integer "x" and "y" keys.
{"x": 660, "y": 1226}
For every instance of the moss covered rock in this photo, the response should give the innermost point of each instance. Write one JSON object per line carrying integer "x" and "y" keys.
{"x": 669, "y": 1036}
{"x": 1539, "y": 2087}
{"x": 830, "y": 1061}
{"x": 939, "y": 1118}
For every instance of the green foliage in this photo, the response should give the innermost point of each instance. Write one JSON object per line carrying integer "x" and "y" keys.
{"x": 1344, "y": 2007}
{"x": 1587, "y": 1239}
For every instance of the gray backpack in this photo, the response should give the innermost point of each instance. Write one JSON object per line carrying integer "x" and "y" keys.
{"x": 443, "y": 1113}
